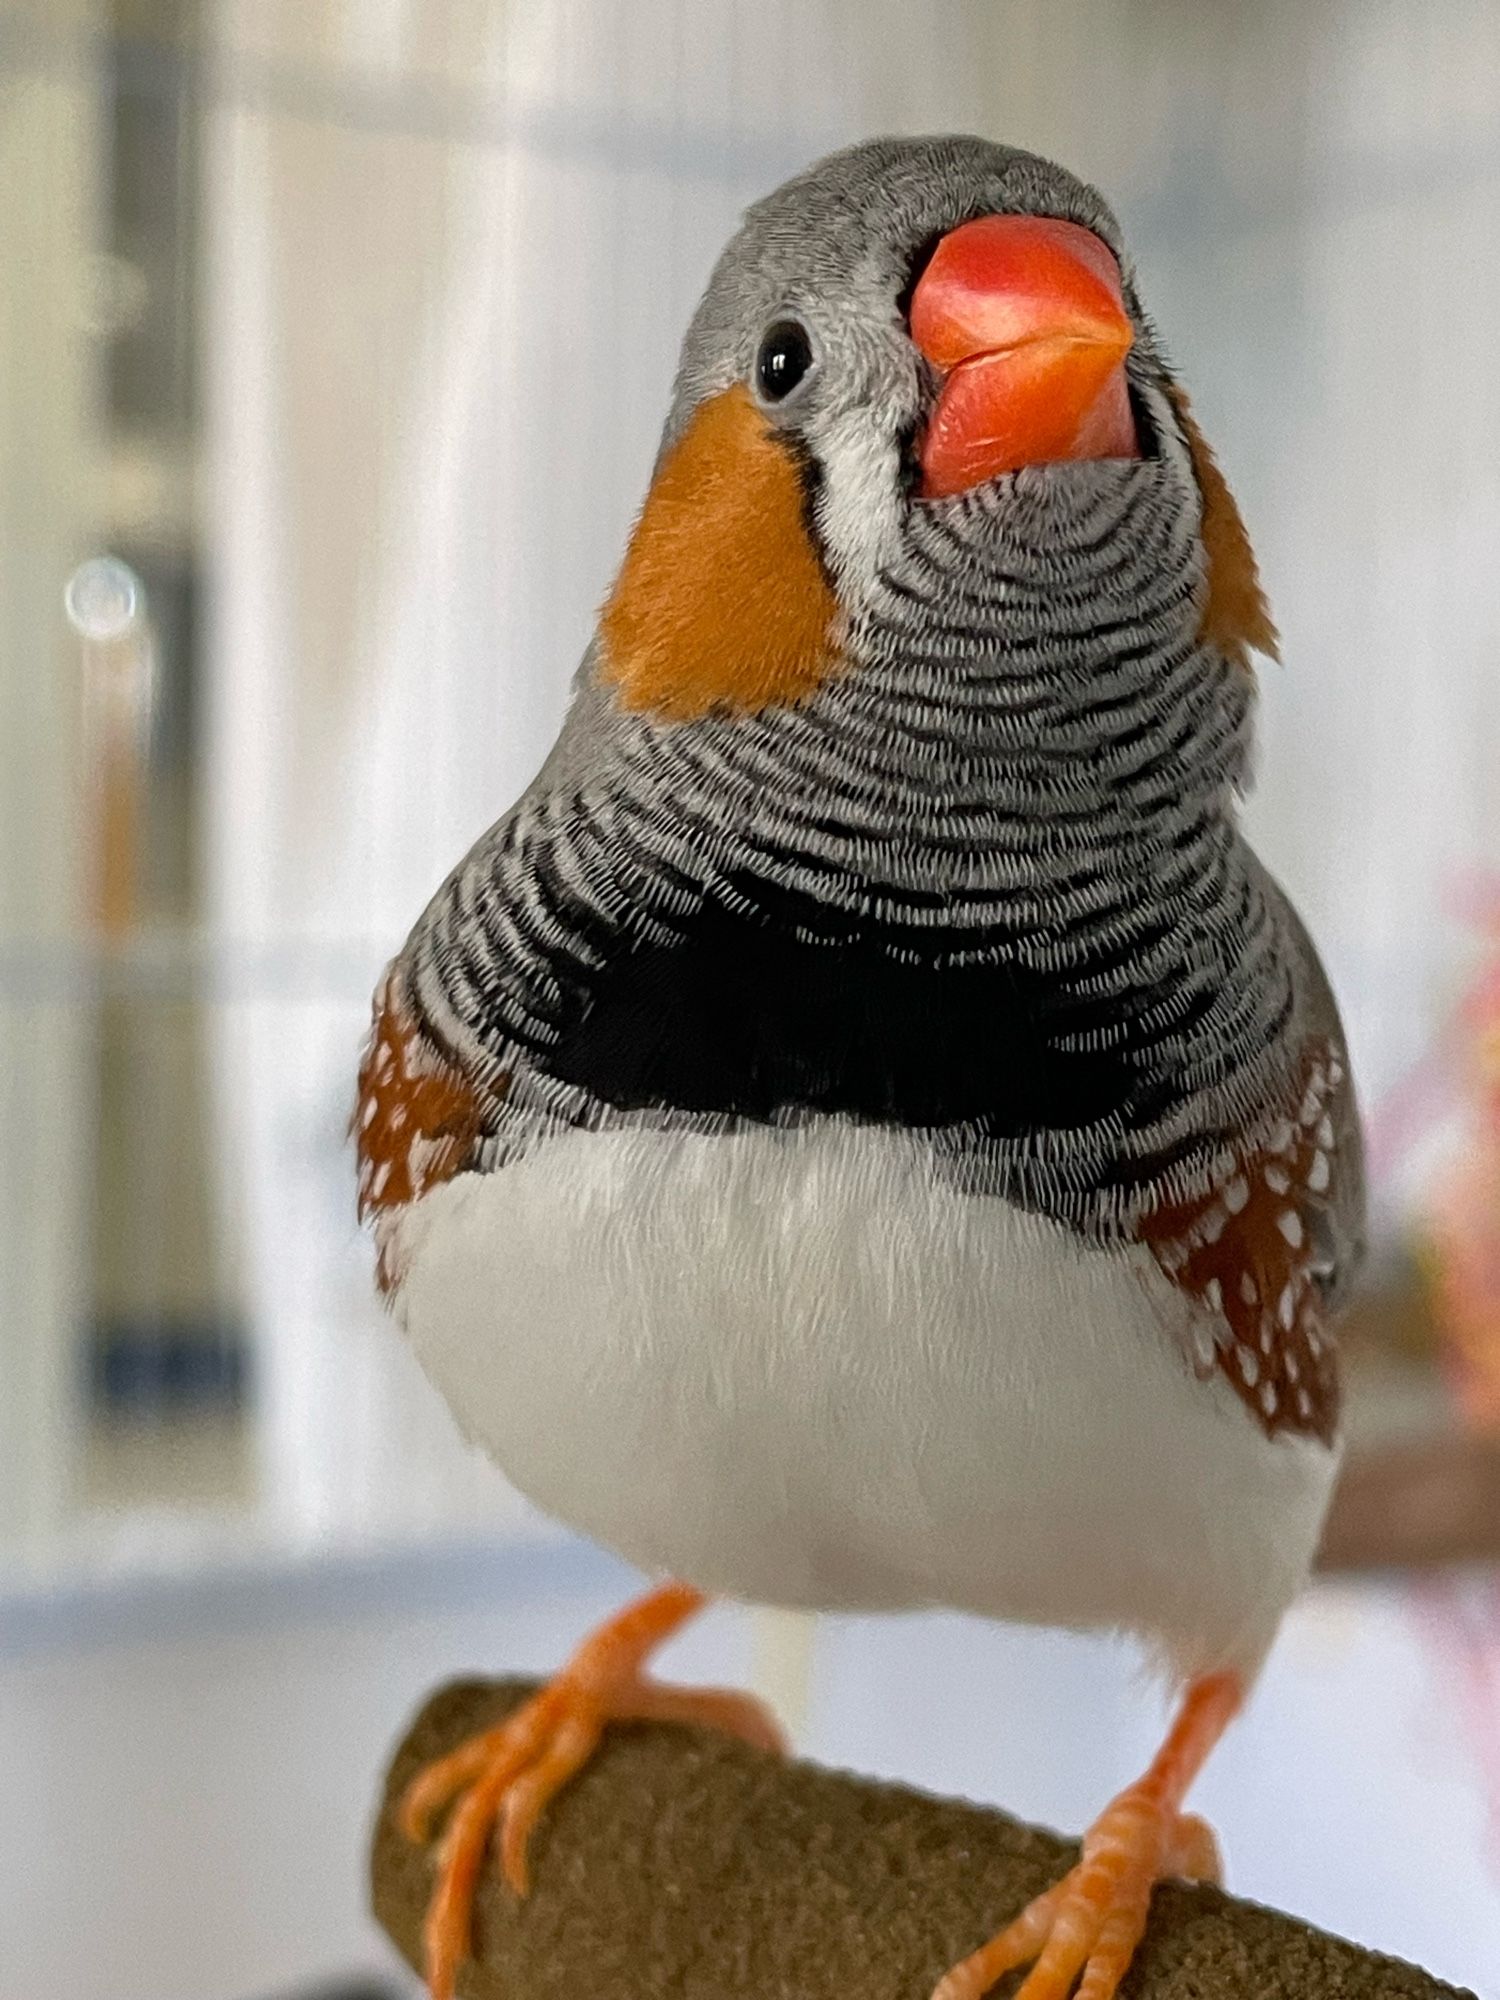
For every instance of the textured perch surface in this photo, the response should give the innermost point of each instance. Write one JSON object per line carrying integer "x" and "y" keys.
{"x": 681, "y": 1864}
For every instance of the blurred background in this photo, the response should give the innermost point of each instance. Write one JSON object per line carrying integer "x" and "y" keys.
{"x": 334, "y": 340}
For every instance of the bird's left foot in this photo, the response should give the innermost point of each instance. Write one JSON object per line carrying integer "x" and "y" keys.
{"x": 1092, "y": 1921}
{"x": 1080, "y": 1936}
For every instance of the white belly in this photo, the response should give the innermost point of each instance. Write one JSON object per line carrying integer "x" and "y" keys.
{"x": 796, "y": 1367}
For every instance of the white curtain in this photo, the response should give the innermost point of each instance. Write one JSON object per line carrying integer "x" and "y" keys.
{"x": 50, "y": 418}
{"x": 453, "y": 247}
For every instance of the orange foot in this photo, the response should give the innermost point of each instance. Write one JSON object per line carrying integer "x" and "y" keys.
{"x": 511, "y": 1772}
{"x": 1086, "y": 1929}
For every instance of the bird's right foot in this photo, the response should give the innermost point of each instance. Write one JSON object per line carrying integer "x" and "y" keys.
{"x": 507, "y": 1775}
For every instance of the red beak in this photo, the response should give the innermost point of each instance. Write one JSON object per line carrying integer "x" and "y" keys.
{"x": 1026, "y": 318}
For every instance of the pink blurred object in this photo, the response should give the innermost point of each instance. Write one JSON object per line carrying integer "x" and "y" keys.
{"x": 1464, "y": 1225}
{"x": 1458, "y": 1617}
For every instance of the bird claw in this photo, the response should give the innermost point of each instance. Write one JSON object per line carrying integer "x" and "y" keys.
{"x": 1087, "y": 1926}
{"x": 507, "y": 1776}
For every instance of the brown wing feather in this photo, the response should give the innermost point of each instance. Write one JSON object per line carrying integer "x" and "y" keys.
{"x": 1255, "y": 1253}
{"x": 417, "y": 1123}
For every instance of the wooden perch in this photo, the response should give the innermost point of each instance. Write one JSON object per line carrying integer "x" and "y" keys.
{"x": 682, "y": 1864}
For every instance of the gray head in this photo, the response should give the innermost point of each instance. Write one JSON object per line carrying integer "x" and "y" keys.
{"x": 881, "y": 328}
{"x": 837, "y": 253}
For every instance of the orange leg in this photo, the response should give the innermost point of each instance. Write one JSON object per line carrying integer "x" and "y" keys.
{"x": 511, "y": 1772}
{"x": 1086, "y": 1929}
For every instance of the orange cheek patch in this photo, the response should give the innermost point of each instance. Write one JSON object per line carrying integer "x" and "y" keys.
{"x": 415, "y": 1125}
{"x": 721, "y": 602}
{"x": 1236, "y": 617}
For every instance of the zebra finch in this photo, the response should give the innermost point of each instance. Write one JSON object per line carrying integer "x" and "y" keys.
{"x": 864, "y": 1130}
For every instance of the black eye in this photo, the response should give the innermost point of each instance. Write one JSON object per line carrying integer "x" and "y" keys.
{"x": 784, "y": 358}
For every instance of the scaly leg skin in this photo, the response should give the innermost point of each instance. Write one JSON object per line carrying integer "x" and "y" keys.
{"x": 511, "y": 1772}
{"x": 1088, "y": 1926}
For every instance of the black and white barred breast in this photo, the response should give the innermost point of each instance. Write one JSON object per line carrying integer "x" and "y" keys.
{"x": 985, "y": 883}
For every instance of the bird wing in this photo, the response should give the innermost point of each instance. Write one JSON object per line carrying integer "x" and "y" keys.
{"x": 1270, "y": 1249}
{"x": 419, "y": 1117}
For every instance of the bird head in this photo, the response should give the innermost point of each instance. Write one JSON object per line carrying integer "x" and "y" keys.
{"x": 919, "y": 405}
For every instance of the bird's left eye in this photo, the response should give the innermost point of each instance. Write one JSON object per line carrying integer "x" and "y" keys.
{"x": 785, "y": 357}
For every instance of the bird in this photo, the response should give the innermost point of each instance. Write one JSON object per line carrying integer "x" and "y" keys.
{"x": 864, "y": 1130}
